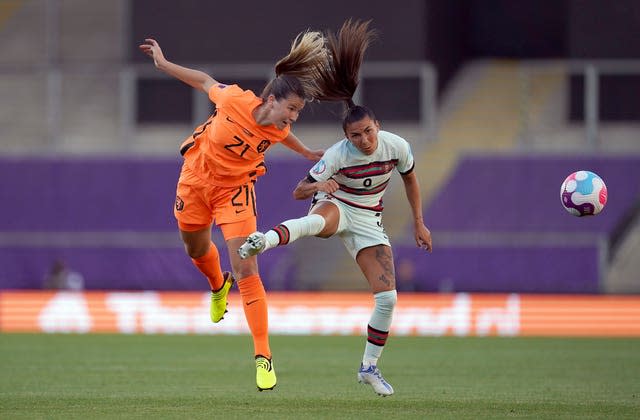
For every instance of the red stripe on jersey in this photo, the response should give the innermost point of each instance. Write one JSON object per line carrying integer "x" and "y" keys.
{"x": 369, "y": 170}
{"x": 364, "y": 191}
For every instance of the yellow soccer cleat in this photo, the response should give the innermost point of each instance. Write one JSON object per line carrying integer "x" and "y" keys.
{"x": 219, "y": 298}
{"x": 265, "y": 375}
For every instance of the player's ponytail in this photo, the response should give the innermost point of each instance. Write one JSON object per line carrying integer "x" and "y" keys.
{"x": 297, "y": 72}
{"x": 325, "y": 68}
{"x": 339, "y": 78}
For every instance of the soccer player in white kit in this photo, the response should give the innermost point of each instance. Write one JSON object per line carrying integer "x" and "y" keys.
{"x": 347, "y": 186}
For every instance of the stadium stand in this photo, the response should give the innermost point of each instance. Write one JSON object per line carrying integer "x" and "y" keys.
{"x": 111, "y": 220}
{"x": 502, "y": 227}
{"x": 68, "y": 80}
{"x": 7, "y": 8}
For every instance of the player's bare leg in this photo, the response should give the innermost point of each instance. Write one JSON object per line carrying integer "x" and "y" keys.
{"x": 377, "y": 265}
{"x": 205, "y": 257}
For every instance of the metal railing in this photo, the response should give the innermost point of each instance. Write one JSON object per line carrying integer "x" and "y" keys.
{"x": 422, "y": 70}
{"x": 57, "y": 81}
{"x": 128, "y": 75}
{"x": 591, "y": 71}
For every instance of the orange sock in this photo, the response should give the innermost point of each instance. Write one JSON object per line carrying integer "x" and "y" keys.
{"x": 209, "y": 265}
{"x": 254, "y": 302}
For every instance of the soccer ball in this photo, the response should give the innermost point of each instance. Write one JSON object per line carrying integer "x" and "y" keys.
{"x": 583, "y": 193}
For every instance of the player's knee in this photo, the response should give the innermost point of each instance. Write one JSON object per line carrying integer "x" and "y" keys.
{"x": 325, "y": 235}
{"x": 386, "y": 301}
{"x": 329, "y": 229}
{"x": 196, "y": 250}
{"x": 245, "y": 268}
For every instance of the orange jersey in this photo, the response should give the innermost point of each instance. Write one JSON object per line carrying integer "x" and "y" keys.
{"x": 228, "y": 149}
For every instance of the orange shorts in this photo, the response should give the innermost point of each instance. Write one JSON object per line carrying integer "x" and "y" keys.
{"x": 199, "y": 204}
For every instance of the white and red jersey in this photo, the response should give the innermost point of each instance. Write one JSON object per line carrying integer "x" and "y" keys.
{"x": 362, "y": 178}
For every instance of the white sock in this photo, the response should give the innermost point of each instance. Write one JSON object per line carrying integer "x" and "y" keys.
{"x": 378, "y": 328}
{"x": 290, "y": 230}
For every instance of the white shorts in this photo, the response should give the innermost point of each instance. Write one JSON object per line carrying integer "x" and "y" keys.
{"x": 358, "y": 228}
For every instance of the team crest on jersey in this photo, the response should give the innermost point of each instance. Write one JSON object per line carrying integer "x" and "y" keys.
{"x": 263, "y": 146}
{"x": 319, "y": 167}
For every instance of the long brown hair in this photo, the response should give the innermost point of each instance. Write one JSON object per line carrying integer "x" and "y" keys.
{"x": 297, "y": 72}
{"x": 340, "y": 76}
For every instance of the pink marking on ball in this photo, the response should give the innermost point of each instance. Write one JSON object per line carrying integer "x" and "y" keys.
{"x": 602, "y": 197}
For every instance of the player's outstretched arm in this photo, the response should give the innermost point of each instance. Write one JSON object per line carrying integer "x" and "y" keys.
{"x": 292, "y": 142}
{"x": 194, "y": 78}
{"x": 422, "y": 234}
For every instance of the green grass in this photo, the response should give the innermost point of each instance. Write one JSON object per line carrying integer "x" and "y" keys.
{"x": 185, "y": 377}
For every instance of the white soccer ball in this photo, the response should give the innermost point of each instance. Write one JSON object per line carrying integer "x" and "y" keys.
{"x": 583, "y": 193}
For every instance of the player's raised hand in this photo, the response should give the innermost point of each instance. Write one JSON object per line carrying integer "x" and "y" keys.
{"x": 153, "y": 50}
{"x": 316, "y": 155}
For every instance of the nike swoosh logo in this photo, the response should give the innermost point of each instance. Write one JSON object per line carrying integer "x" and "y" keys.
{"x": 240, "y": 211}
{"x": 252, "y": 302}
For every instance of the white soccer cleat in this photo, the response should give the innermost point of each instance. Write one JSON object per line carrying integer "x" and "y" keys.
{"x": 373, "y": 377}
{"x": 254, "y": 245}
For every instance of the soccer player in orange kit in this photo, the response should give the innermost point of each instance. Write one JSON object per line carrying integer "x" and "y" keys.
{"x": 222, "y": 160}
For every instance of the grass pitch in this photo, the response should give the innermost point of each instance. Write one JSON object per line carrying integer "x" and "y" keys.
{"x": 189, "y": 377}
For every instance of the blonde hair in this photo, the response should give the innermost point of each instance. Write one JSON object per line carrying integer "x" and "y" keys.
{"x": 323, "y": 67}
{"x": 298, "y": 72}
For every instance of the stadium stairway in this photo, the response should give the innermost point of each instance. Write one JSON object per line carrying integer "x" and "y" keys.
{"x": 87, "y": 53}
{"x": 482, "y": 112}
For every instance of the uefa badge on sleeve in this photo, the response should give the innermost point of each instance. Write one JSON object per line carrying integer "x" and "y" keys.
{"x": 319, "y": 167}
